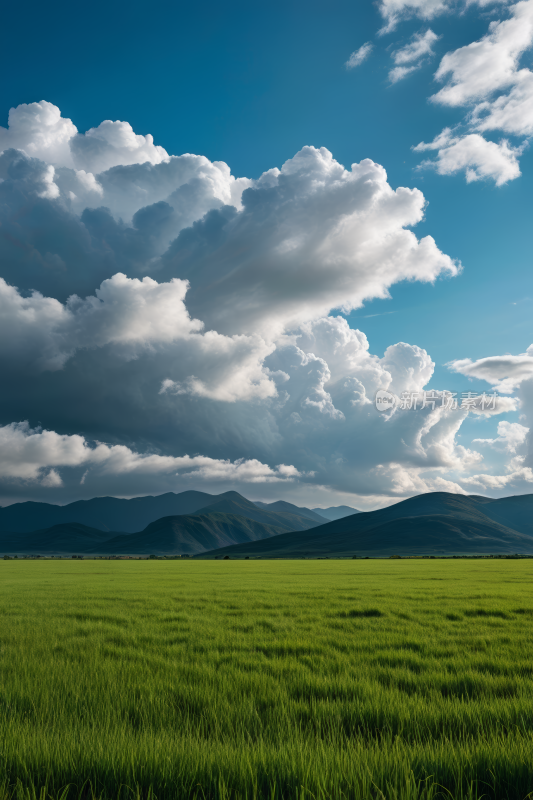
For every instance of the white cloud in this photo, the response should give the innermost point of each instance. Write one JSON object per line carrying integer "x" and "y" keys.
{"x": 36, "y": 455}
{"x": 125, "y": 312}
{"x": 474, "y": 76}
{"x": 516, "y": 482}
{"x": 511, "y": 436}
{"x": 360, "y": 55}
{"x": 421, "y": 45}
{"x": 512, "y": 113}
{"x": 395, "y": 11}
{"x": 399, "y": 73}
{"x": 504, "y": 373}
{"x": 478, "y": 158}
{"x": 112, "y": 144}
{"x": 131, "y": 316}
{"x": 41, "y": 131}
{"x": 229, "y": 369}
{"x": 412, "y": 54}
{"x": 311, "y": 237}
{"x": 410, "y": 367}
{"x": 193, "y": 315}
{"x": 477, "y": 70}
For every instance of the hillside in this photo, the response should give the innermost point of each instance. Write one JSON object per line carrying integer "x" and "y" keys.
{"x": 285, "y": 515}
{"x": 189, "y": 534}
{"x": 434, "y": 523}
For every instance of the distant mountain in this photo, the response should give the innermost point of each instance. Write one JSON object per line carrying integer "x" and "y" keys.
{"x": 229, "y": 518}
{"x": 336, "y": 512}
{"x": 129, "y": 516}
{"x": 187, "y": 534}
{"x": 437, "y": 523}
{"x": 104, "y": 513}
{"x": 173, "y": 535}
{"x": 289, "y": 508}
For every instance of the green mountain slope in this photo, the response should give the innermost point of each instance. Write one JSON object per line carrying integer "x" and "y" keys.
{"x": 130, "y": 516}
{"x": 235, "y": 504}
{"x": 172, "y": 535}
{"x": 435, "y": 523}
{"x": 189, "y": 534}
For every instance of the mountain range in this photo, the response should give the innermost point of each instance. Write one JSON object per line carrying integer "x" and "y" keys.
{"x": 220, "y": 520}
{"x": 214, "y": 526}
{"x": 437, "y": 523}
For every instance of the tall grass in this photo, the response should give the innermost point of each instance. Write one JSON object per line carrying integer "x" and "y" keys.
{"x": 303, "y": 679}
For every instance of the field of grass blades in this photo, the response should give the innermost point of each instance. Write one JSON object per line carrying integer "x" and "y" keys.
{"x": 396, "y": 679}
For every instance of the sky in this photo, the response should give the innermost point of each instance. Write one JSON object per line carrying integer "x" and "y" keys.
{"x": 223, "y": 229}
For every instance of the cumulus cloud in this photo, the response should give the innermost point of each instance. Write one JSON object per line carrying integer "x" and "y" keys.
{"x": 477, "y": 157}
{"x": 37, "y": 455}
{"x": 511, "y": 436}
{"x": 73, "y": 243}
{"x": 311, "y": 237}
{"x": 412, "y": 56}
{"x": 40, "y": 131}
{"x": 360, "y": 55}
{"x": 125, "y": 312}
{"x": 131, "y": 316}
{"x": 155, "y": 307}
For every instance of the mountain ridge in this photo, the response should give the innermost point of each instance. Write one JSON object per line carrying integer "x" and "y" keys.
{"x": 465, "y": 523}
{"x": 433, "y": 523}
{"x": 114, "y": 514}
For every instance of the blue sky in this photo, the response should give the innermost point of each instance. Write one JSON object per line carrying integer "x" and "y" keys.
{"x": 251, "y": 86}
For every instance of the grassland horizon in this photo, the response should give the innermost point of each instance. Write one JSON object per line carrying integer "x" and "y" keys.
{"x": 266, "y": 679}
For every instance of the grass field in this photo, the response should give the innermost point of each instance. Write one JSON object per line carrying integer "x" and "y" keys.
{"x": 295, "y": 679}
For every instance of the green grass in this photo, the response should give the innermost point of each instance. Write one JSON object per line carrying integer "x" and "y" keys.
{"x": 275, "y": 679}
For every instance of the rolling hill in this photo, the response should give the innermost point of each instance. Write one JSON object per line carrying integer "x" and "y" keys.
{"x": 429, "y": 524}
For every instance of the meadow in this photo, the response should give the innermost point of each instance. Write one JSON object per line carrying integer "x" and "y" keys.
{"x": 394, "y": 679}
